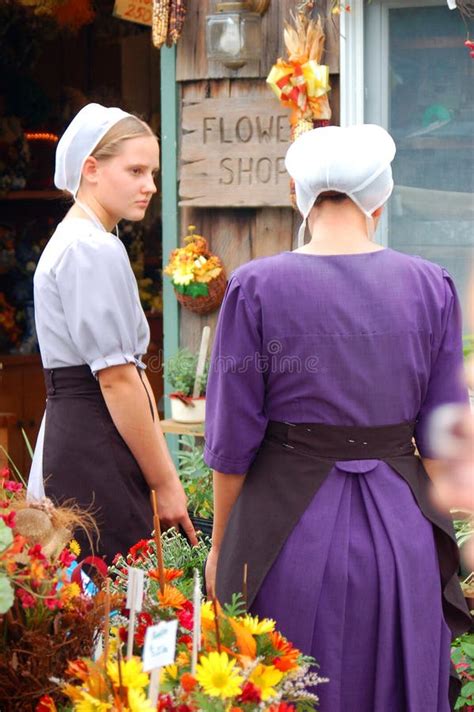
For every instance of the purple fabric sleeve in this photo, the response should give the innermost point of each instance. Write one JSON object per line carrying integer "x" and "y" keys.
{"x": 235, "y": 398}
{"x": 446, "y": 383}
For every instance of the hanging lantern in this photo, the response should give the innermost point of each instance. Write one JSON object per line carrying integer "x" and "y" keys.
{"x": 234, "y": 32}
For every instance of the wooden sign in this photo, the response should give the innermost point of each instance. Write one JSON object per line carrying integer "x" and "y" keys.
{"x": 233, "y": 152}
{"x": 139, "y": 11}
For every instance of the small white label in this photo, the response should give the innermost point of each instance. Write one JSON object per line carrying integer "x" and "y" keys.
{"x": 160, "y": 645}
{"x": 136, "y": 581}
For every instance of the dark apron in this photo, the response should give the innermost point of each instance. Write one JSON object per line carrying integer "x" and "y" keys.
{"x": 271, "y": 502}
{"x": 86, "y": 461}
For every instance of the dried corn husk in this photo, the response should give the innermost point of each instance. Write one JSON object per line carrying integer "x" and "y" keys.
{"x": 178, "y": 9}
{"x": 160, "y": 22}
{"x": 304, "y": 39}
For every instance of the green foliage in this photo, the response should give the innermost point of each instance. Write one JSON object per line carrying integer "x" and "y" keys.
{"x": 177, "y": 553}
{"x": 463, "y": 527}
{"x": 236, "y": 607}
{"x": 6, "y": 536}
{"x": 468, "y": 345}
{"x": 462, "y": 655}
{"x": 194, "y": 289}
{"x": 180, "y": 371}
{"x": 196, "y": 477}
{"x": 6, "y": 594}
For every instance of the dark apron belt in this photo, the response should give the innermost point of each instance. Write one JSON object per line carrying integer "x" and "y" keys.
{"x": 290, "y": 467}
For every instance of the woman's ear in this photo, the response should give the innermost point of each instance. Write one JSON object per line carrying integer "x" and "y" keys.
{"x": 89, "y": 169}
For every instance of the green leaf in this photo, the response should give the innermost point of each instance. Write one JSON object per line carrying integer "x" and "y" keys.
{"x": 468, "y": 689}
{"x": 236, "y": 607}
{"x": 6, "y": 594}
{"x": 197, "y": 289}
{"x": 468, "y": 649}
{"x": 6, "y": 536}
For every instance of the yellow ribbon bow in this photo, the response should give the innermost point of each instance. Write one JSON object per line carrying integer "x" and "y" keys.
{"x": 296, "y": 84}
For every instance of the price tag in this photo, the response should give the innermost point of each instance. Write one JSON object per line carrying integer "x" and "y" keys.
{"x": 136, "y": 581}
{"x": 140, "y": 11}
{"x": 160, "y": 645}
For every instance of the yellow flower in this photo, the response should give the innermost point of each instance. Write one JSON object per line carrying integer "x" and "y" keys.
{"x": 207, "y": 612}
{"x": 169, "y": 672}
{"x": 180, "y": 276}
{"x": 91, "y": 704}
{"x": 217, "y": 676}
{"x": 256, "y": 626}
{"x": 132, "y": 673}
{"x": 74, "y": 547}
{"x": 265, "y": 677}
{"x": 68, "y": 592}
{"x": 138, "y": 702}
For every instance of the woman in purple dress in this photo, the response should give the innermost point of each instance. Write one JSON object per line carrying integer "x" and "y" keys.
{"x": 327, "y": 362}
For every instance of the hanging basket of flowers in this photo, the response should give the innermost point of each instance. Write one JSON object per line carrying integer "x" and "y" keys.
{"x": 198, "y": 276}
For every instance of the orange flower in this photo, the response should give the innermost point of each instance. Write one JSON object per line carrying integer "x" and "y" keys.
{"x": 78, "y": 669}
{"x": 171, "y": 598}
{"x": 188, "y": 682}
{"x": 170, "y": 574}
{"x": 287, "y": 656}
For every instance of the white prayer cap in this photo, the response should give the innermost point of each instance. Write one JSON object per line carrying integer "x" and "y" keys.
{"x": 83, "y": 134}
{"x": 354, "y": 160}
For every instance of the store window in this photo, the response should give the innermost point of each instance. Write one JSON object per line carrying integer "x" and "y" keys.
{"x": 421, "y": 89}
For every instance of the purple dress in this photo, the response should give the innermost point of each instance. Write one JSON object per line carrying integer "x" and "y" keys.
{"x": 366, "y": 340}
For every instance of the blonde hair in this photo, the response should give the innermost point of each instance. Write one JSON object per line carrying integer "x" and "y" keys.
{"x": 124, "y": 130}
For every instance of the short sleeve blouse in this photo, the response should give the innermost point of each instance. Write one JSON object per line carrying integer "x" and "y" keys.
{"x": 87, "y": 306}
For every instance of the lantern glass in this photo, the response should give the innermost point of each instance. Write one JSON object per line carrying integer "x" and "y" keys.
{"x": 234, "y": 38}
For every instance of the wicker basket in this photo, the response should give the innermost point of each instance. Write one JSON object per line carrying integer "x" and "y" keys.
{"x": 209, "y": 303}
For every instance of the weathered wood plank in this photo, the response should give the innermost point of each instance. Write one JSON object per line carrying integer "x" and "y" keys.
{"x": 192, "y": 63}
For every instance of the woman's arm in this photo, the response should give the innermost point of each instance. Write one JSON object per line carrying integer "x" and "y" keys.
{"x": 226, "y": 490}
{"x": 126, "y": 399}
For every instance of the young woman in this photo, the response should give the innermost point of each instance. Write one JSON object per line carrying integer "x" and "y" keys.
{"x": 326, "y": 362}
{"x": 100, "y": 444}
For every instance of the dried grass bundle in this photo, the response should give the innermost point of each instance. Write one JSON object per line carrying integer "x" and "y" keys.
{"x": 304, "y": 38}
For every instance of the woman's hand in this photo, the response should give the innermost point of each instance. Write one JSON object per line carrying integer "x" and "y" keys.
{"x": 172, "y": 508}
{"x": 211, "y": 569}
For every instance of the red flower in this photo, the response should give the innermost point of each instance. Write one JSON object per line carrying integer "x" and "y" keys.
{"x": 27, "y": 600}
{"x": 116, "y": 558}
{"x": 5, "y": 504}
{"x": 250, "y": 693}
{"x": 46, "y": 704}
{"x": 5, "y": 473}
{"x": 139, "y": 549}
{"x": 165, "y": 704}
{"x": 66, "y": 557}
{"x": 186, "y": 619}
{"x": 9, "y": 519}
{"x": 185, "y": 639}
{"x": 123, "y": 634}
{"x": 52, "y": 603}
{"x": 282, "y": 707}
{"x": 36, "y": 552}
{"x": 12, "y": 486}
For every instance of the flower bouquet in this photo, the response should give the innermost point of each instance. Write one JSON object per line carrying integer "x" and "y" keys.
{"x": 197, "y": 275}
{"x": 10, "y": 332}
{"x": 45, "y": 618}
{"x": 236, "y": 662}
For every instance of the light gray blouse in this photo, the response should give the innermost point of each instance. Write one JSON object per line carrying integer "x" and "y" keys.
{"x": 87, "y": 310}
{"x": 87, "y": 306}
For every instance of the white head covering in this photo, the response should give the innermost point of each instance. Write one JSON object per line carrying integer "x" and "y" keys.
{"x": 354, "y": 160}
{"x": 82, "y": 135}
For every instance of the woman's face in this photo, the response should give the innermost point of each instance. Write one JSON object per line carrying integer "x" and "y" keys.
{"x": 125, "y": 183}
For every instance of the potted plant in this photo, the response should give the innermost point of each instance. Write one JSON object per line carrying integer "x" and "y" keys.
{"x": 188, "y": 404}
{"x": 196, "y": 477}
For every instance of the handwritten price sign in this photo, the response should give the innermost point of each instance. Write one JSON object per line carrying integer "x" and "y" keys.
{"x": 139, "y": 11}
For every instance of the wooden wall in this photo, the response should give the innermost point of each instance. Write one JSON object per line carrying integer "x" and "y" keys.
{"x": 238, "y": 235}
